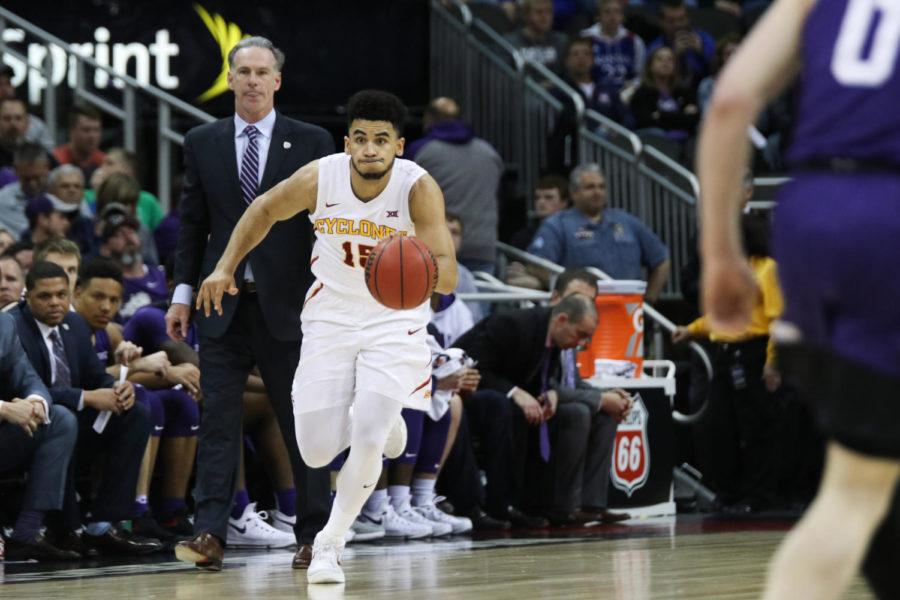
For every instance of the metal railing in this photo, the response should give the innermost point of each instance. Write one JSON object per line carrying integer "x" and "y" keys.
{"x": 125, "y": 109}
{"x": 517, "y": 108}
{"x": 660, "y": 321}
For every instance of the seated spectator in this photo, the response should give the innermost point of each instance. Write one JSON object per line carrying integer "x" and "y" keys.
{"x": 551, "y": 195}
{"x": 39, "y": 435}
{"x": 465, "y": 283}
{"x": 516, "y": 389}
{"x": 83, "y": 147}
{"x": 120, "y": 193}
{"x": 536, "y": 40}
{"x": 32, "y": 168}
{"x": 610, "y": 239}
{"x": 120, "y": 242}
{"x": 661, "y": 104}
{"x": 694, "y": 48}
{"x": 63, "y": 253}
{"x": 725, "y": 48}
{"x": 601, "y": 97}
{"x": 118, "y": 160}
{"x": 23, "y": 253}
{"x": 618, "y": 53}
{"x": 468, "y": 170}
{"x": 166, "y": 233}
{"x": 46, "y": 219}
{"x": 13, "y": 125}
{"x": 6, "y": 240}
{"x": 58, "y": 344}
{"x": 12, "y": 283}
{"x": 66, "y": 182}
{"x": 37, "y": 131}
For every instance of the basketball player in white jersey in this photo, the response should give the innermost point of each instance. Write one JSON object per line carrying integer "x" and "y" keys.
{"x": 355, "y": 351}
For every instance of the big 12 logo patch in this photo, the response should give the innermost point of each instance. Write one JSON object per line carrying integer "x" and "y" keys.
{"x": 631, "y": 453}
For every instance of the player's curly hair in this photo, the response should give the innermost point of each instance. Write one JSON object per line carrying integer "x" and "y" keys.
{"x": 377, "y": 105}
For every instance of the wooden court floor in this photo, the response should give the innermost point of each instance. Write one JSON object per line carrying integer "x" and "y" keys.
{"x": 657, "y": 559}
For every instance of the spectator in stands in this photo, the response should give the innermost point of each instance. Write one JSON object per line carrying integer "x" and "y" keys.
{"x": 551, "y": 195}
{"x": 46, "y": 219}
{"x": 536, "y": 40}
{"x": 37, "y": 130}
{"x": 661, "y": 104}
{"x": 739, "y": 454}
{"x": 13, "y": 125}
{"x": 12, "y": 283}
{"x": 600, "y": 96}
{"x": 66, "y": 182}
{"x": 63, "y": 253}
{"x": 591, "y": 235}
{"x": 585, "y": 428}
{"x": 83, "y": 148}
{"x": 118, "y": 160}
{"x": 468, "y": 169}
{"x": 121, "y": 243}
{"x": 23, "y": 253}
{"x": 465, "y": 283}
{"x": 166, "y": 233}
{"x": 618, "y": 53}
{"x": 519, "y": 384}
{"x": 119, "y": 193}
{"x": 725, "y": 48}
{"x": 36, "y": 432}
{"x": 6, "y": 240}
{"x": 32, "y": 167}
{"x": 58, "y": 344}
{"x": 694, "y": 48}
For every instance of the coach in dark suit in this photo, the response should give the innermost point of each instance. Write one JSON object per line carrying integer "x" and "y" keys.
{"x": 58, "y": 344}
{"x": 518, "y": 358}
{"x": 27, "y": 436}
{"x": 227, "y": 165}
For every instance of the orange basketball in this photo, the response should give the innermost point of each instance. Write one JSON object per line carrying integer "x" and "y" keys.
{"x": 401, "y": 272}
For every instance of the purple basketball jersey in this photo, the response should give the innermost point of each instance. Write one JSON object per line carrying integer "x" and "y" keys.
{"x": 849, "y": 83}
{"x": 140, "y": 291}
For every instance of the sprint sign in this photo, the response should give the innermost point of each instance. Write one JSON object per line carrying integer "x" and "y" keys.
{"x": 631, "y": 454}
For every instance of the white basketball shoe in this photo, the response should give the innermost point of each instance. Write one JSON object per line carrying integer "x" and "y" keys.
{"x": 252, "y": 531}
{"x": 281, "y": 521}
{"x": 396, "y": 526}
{"x": 325, "y": 566}
{"x": 438, "y": 528}
{"x": 431, "y": 512}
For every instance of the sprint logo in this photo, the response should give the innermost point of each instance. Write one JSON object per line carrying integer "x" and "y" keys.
{"x": 226, "y": 36}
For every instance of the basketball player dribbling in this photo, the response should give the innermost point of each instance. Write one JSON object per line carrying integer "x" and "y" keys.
{"x": 837, "y": 245}
{"x": 355, "y": 351}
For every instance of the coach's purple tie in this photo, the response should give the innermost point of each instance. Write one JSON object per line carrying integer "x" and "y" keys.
{"x": 544, "y": 433}
{"x": 250, "y": 166}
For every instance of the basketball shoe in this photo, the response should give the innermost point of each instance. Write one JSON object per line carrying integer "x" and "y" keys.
{"x": 397, "y": 526}
{"x": 438, "y": 528}
{"x": 431, "y": 512}
{"x": 252, "y": 531}
{"x": 325, "y": 566}
{"x": 367, "y": 528}
{"x": 281, "y": 521}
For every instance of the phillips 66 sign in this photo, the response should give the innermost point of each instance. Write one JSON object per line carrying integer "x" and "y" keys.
{"x": 631, "y": 454}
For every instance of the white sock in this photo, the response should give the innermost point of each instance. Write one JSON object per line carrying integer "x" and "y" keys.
{"x": 423, "y": 492}
{"x": 399, "y": 495}
{"x": 375, "y": 504}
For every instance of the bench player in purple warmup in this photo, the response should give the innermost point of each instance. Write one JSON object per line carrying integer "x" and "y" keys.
{"x": 835, "y": 241}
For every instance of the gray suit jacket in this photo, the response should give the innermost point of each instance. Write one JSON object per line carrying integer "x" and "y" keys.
{"x": 18, "y": 378}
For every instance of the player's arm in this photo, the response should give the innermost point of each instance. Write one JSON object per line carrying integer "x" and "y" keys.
{"x": 291, "y": 196}
{"x": 762, "y": 67}
{"x": 426, "y": 207}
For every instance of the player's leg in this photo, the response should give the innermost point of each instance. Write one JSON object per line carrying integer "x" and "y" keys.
{"x": 821, "y": 555}
{"x": 178, "y": 449}
{"x": 374, "y": 415}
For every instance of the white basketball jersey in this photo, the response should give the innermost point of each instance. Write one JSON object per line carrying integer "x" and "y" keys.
{"x": 347, "y": 229}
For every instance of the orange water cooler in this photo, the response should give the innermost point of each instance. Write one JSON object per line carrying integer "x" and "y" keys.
{"x": 617, "y": 347}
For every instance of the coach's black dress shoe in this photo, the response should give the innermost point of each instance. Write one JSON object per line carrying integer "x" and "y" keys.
{"x": 481, "y": 521}
{"x": 38, "y": 548}
{"x": 521, "y": 520}
{"x": 117, "y": 543}
{"x": 73, "y": 542}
